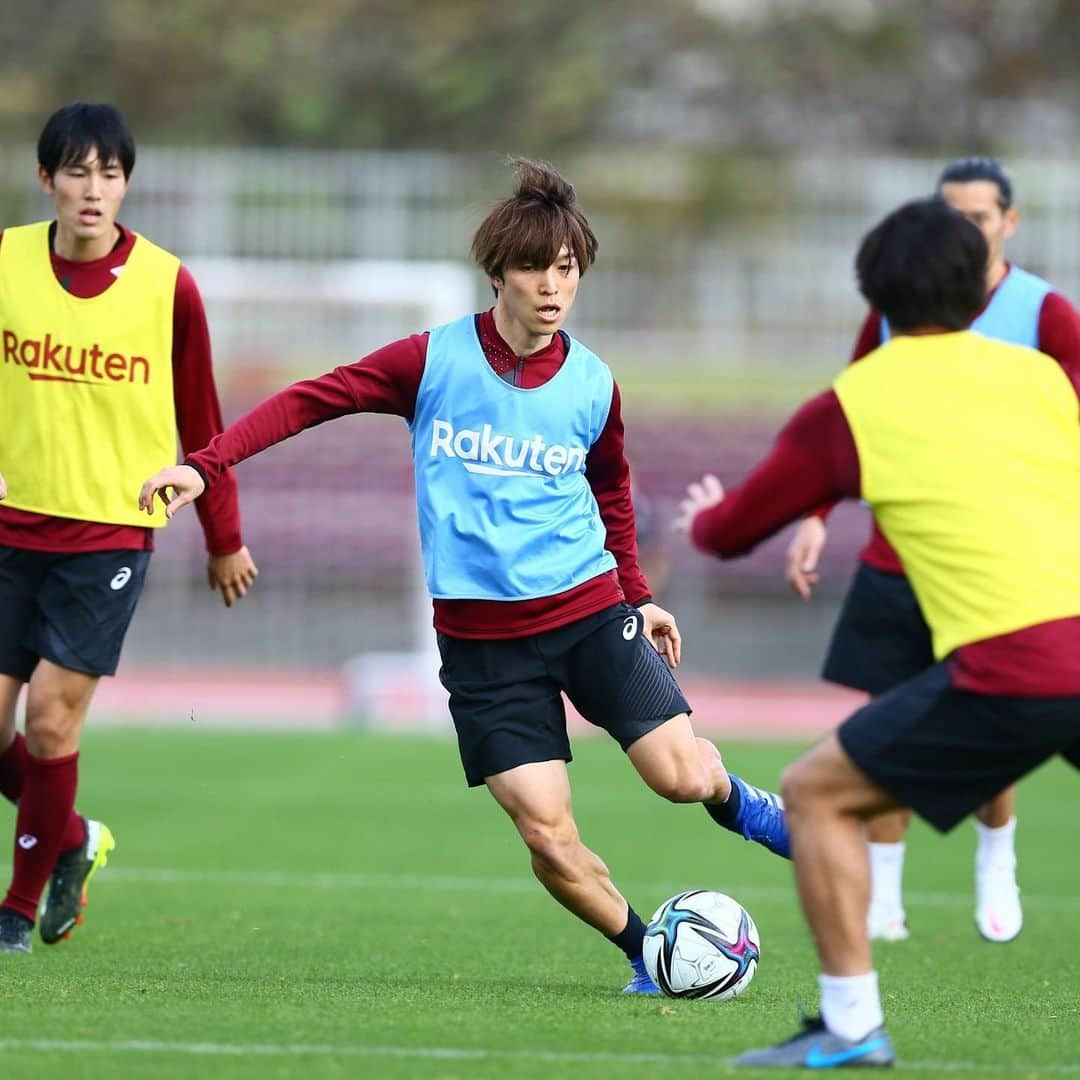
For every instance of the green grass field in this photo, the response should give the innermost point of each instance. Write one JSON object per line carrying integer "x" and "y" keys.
{"x": 341, "y": 906}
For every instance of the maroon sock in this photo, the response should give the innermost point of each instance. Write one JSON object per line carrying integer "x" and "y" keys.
{"x": 13, "y": 768}
{"x": 74, "y": 832}
{"x": 45, "y": 806}
{"x": 12, "y": 779}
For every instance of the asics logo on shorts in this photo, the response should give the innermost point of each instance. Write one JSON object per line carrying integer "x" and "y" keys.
{"x": 630, "y": 627}
{"x": 120, "y": 578}
{"x": 26, "y": 841}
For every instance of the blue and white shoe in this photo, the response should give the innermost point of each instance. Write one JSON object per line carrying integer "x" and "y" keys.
{"x": 815, "y": 1047}
{"x": 640, "y": 983}
{"x": 761, "y": 818}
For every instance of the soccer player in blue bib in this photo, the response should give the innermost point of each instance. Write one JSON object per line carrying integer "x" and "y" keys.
{"x": 881, "y": 638}
{"x": 527, "y": 530}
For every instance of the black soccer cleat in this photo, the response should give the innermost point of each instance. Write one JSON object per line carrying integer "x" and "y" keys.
{"x": 14, "y": 931}
{"x": 69, "y": 881}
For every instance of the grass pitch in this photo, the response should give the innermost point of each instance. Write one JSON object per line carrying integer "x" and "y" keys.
{"x": 340, "y": 906}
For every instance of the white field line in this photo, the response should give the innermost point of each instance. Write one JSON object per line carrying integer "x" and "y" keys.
{"x": 291, "y": 879}
{"x": 451, "y": 1053}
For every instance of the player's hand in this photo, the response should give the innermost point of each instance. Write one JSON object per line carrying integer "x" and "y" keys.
{"x": 233, "y": 574}
{"x": 803, "y": 554}
{"x": 185, "y": 483}
{"x": 3, "y": 488}
{"x": 701, "y": 495}
{"x": 661, "y": 630}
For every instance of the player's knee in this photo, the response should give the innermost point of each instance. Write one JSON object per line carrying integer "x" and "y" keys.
{"x": 552, "y": 842}
{"x": 684, "y": 782}
{"x": 52, "y": 726}
{"x": 799, "y": 787}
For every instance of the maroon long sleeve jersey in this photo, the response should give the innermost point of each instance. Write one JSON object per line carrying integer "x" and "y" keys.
{"x": 814, "y": 461}
{"x": 1059, "y": 337}
{"x": 387, "y": 381}
{"x": 198, "y": 420}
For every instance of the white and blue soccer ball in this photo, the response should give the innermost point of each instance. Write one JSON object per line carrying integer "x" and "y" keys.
{"x": 702, "y": 944}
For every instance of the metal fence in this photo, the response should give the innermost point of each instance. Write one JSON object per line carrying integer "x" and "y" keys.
{"x": 764, "y": 291}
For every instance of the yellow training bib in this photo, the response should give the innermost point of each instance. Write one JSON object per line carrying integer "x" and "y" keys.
{"x": 969, "y": 455}
{"x": 86, "y": 386}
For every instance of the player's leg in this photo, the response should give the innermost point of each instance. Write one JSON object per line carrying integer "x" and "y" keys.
{"x": 511, "y": 728}
{"x": 617, "y": 681}
{"x": 887, "y": 918}
{"x": 57, "y": 703}
{"x": 12, "y": 746}
{"x": 828, "y": 800}
{"x": 926, "y": 745}
{"x": 20, "y": 575}
{"x": 880, "y": 641}
{"x": 999, "y": 915}
{"x": 681, "y": 767}
{"x": 536, "y": 797}
{"x": 85, "y": 604}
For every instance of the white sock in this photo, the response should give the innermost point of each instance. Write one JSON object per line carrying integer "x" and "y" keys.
{"x": 997, "y": 847}
{"x": 850, "y": 1005}
{"x": 886, "y": 873}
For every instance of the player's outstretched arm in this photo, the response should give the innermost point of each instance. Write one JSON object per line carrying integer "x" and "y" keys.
{"x": 185, "y": 483}
{"x": 803, "y": 555}
{"x": 3, "y": 488}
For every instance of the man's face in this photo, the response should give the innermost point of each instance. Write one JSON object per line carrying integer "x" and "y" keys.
{"x": 87, "y": 196}
{"x": 538, "y": 299}
{"x": 980, "y": 202}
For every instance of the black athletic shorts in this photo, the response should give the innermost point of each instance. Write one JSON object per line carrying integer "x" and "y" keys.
{"x": 506, "y": 695}
{"x": 881, "y": 638}
{"x": 71, "y": 609}
{"x": 945, "y": 752}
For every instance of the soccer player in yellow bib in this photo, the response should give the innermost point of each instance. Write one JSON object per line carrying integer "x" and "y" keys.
{"x": 106, "y": 357}
{"x": 967, "y": 450}
{"x": 881, "y": 638}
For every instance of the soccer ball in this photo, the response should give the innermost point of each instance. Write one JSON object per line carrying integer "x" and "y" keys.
{"x": 702, "y": 944}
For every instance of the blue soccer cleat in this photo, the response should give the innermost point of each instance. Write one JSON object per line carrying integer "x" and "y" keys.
{"x": 815, "y": 1047}
{"x": 760, "y": 818}
{"x": 640, "y": 983}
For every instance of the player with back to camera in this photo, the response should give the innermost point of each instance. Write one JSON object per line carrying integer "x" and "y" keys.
{"x": 527, "y": 529}
{"x": 979, "y": 437}
{"x": 106, "y": 356}
{"x": 881, "y": 638}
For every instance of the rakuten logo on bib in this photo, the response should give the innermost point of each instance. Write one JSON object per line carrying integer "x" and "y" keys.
{"x": 493, "y": 454}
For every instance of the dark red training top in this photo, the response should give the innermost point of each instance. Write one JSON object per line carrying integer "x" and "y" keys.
{"x": 814, "y": 461}
{"x": 387, "y": 381}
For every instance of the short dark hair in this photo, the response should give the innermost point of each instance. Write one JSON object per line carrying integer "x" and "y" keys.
{"x": 531, "y": 226}
{"x": 966, "y": 170}
{"x": 74, "y": 131}
{"x": 924, "y": 265}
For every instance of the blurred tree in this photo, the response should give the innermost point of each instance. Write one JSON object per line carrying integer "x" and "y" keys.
{"x": 759, "y": 75}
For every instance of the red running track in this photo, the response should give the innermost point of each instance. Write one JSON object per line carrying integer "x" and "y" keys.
{"x": 320, "y": 701}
